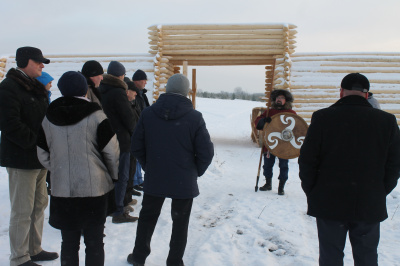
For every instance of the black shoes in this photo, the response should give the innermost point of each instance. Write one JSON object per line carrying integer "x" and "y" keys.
{"x": 138, "y": 187}
{"x": 136, "y": 193}
{"x": 44, "y": 256}
{"x": 131, "y": 261}
{"x": 124, "y": 218}
{"x": 268, "y": 185}
{"x": 281, "y": 187}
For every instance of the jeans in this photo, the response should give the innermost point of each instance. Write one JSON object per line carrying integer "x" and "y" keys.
{"x": 129, "y": 186}
{"x": 269, "y": 165}
{"x": 93, "y": 238}
{"x": 138, "y": 178}
{"x": 180, "y": 214}
{"x": 364, "y": 239}
{"x": 29, "y": 199}
{"x": 121, "y": 184}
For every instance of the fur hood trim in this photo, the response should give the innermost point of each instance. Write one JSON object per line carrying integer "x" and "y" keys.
{"x": 114, "y": 81}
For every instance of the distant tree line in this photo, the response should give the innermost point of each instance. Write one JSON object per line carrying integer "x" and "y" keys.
{"x": 238, "y": 93}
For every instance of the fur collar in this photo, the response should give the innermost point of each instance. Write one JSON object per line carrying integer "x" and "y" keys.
{"x": 66, "y": 111}
{"x": 114, "y": 81}
{"x": 28, "y": 83}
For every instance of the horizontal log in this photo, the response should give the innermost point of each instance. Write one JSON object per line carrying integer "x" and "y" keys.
{"x": 363, "y": 70}
{"x": 221, "y": 57}
{"x": 223, "y": 42}
{"x": 223, "y": 62}
{"x": 221, "y": 26}
{"x": 221, "y": 47}
{"x": 222, "y": 52}
{"x": 244, "y": 32}
{"x": 2, "y": 64}
{"x": 361, "y": 64}
{"x": 218, "y": 37}
{"x": 3, "y": 59}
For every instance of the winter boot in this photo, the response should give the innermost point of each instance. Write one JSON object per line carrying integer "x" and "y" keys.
{"x": 131, "y": 261}
{"x": 124, "y": 218}
{"x": 136, "y": 193}
{"x": 281, "y": 187}
{"x": 268, "y": 185}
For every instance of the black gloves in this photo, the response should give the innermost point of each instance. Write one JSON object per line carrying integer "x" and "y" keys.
{"x": 261, "y": 123}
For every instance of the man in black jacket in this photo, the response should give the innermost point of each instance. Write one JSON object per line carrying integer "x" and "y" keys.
{"x": 173, "y": 145}
{"x": 118, "y": 110}
{"x": 23, "y": 105}
{"x": 349, "y": 163}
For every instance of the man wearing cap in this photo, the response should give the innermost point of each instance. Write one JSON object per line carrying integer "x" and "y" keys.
{"x": 23, "y": 105}
{"x": 139, "y": 79}
{"x": 118, "y": 110}
{"x": 346, "y": 176}
{"x": 173, "y": 145}
{"x": 93, "y": 72}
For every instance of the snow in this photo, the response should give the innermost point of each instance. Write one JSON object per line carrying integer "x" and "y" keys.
{"x": 230, "y": 223}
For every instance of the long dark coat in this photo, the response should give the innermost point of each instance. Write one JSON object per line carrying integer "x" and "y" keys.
{"x": 118, "y": 109}
{"x": 23, "y": 105}
{"x": 173, "y": 146}
{"x": 350, "y": 161}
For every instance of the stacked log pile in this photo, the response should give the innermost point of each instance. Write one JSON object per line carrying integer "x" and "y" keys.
{"x": 316, "y": 79}
{"x": 217, "y": 45}
{"x": 62, "y": 63}
{"x": 3, "y": 63}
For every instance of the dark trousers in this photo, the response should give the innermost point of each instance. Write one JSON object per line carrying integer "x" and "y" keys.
{"x": 151, "y": 208}
{"x": 269, "y": 165}
{"x": 364, "y": 239}
{"x": 93, "y": 238}
{"x": 121, "y": 184}
{"x": 129, "y": 185}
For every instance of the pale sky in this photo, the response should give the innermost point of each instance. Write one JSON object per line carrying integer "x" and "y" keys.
{"x": 120, "y": 26}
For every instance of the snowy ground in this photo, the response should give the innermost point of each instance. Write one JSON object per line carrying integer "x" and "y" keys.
{"x": 230, "y": 223}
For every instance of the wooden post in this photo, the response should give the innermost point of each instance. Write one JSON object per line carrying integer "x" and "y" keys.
{"x": 184, "y": 68}
{"x": 194, "y": 88}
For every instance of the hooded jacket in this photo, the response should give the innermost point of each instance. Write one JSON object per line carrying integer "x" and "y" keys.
{"x": 118, "y": 109}
{"x": 23, "y": 104}
{"x": 79, "y": 148}
{"x": 173, "y": 146}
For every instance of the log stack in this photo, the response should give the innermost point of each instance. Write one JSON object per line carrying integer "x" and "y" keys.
{"x": 3, "y": 63}
{"x": 316, "y": 79}
{"x": 218, "y": 45}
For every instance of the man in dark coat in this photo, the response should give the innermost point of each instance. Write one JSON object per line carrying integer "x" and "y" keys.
{"x": 349, "y": 163}
{"x": 23, "y": 104}
{"x": 173, "y": 145}
{"x": 281, "y": 102}
{"x": 117, "y": 108}
{"x": 93, "y": 72}
{"x": 139, "y": 79}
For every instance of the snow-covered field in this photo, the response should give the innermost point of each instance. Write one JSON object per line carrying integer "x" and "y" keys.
{"x": 230, "y": 223}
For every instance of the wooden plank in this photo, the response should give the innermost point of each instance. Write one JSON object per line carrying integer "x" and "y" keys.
{"x": 222, "y": 26}
{"x": 222, "y": 52}
{"x": 220, "y": 37}
{"x": 220, "y": 47}
{"x": 223, "y": 62}
{"x": 222, "y": 42}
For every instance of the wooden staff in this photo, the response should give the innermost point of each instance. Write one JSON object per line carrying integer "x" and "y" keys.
{"x": 268, "y": 91}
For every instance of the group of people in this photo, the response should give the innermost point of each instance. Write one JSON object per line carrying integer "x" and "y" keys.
{"x": 349, "y": 162}
{"x": 96, "y": 137}
{"x": 92, "y": 143}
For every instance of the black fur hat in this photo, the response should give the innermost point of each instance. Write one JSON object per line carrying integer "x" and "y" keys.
{"x": 288, "y": 96}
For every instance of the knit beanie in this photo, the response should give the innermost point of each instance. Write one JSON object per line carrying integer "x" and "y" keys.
{"x": 132, "y": 87}
{"x": 45, "y": 78}
{"x": 355, "y": 81}
{"x": 139, "y": 75}
{"x": 92, "y": 68}
{"x": 72, "y": 83}
{"x": 178, "y": 83}
{"x": 115, "y": 68}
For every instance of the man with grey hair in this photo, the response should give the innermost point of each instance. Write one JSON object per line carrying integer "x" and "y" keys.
{"x": 23, "y": 105}
{"x": 173, "y": 145}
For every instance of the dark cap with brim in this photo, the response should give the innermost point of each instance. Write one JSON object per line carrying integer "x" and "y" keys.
{"x": 26, "y": 53}
{"x": 355, "y": 81}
